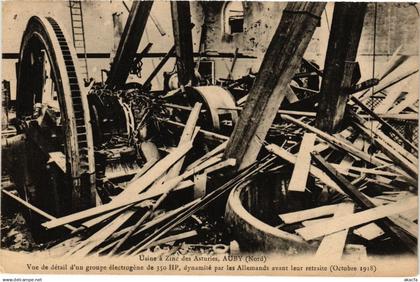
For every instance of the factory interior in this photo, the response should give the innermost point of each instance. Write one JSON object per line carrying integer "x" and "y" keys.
{"x": 210, "y": 127}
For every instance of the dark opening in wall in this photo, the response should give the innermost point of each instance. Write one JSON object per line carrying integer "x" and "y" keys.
{"x": 233, "y": 17}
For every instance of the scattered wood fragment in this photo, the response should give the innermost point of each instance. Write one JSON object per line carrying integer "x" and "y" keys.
{"x": 302, "y": 165}
{"x": 369, "y": 231}
{"x": 300, "y": 216}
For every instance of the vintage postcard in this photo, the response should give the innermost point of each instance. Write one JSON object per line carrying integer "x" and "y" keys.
{"x": 209, "y": 138}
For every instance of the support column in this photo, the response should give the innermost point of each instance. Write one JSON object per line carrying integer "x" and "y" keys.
{"x": 129, "y": 43}
{"x": 181, "y": 23}
{"x": 118, "y": 30}
{"x": 339, "y": 67}
{"x": 280, "y": 63}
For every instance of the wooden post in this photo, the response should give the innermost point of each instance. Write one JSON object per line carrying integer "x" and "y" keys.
{"x": 129, "y": 43}
{"x": 339, "y": 64}
{"x": 181, "y": 23}
{"x": 280, "y": 63}
{"x": 118, "y": 30}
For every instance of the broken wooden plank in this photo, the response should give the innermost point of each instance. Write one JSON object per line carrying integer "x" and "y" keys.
{"x": 383, "y": 122}
{"x": 153, "y": 173}
{"x": 98, "y": 237}
{"x": 280, "y": 62}
{"x": 410, "y": 168}
{"x": 205, "y": 133}
{"x": 212, "y": 153}
{"x": 200, "y": 184}
{"x": 332, "y": 245}
{"x": 407, "y": 225}
{"x": 299, "y": 216}
{"x": 345, "y": 145}
{"x": 364, "y": 202}
{"x": 316, "y": 172}
{"x": 302, "y": 165}
{"x": 143, "y": 170}
{"x": 59, "y": 159}
{"x": 310, "y": 222}
{"x": 222, "y": 164}
{"x": 131, "y": 200}
{"x": 369, "y": 231}
{"x": 99, "y": 210}
{"x": 187, "y": 136}
{"x": 343, "y": 222}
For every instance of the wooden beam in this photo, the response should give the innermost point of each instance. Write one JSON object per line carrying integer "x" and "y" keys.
{"x": 181, "y": 23}
{"x": 343, "y": 43}
{"x": 280, "y": 63}
{"x": 129, "y": 43}
{"x": 354, "y": 193}
{"x": 156, "y": 70}
{"x": 302, "y": 165}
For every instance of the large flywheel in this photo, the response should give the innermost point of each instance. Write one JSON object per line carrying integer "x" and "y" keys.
{"x": 52, "y": 110}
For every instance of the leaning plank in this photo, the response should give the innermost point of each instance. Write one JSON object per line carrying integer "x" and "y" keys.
{"x": 383, "y": 122}
{"x": 96, "y": 211}
{"x": 35, "y": 209}
{"x": 336, "y": 141}
{"x": 97, "y": 238}
{"x": 132, "y": 200}
{"x": 143, "y": 169}
{"x": 410, "y": 99}
{"x": 300, "y": 216}
{"x": 101, "y": 218}
{"x": 219, "y": 149}
{"x": 344, "y": 222}
{"x": 332, "y": 245}
{"x": 408, "y": 226}
{"x": 303, "y": 163}
{"x": 316, "y": 172}
{"x": 153, "y": 173}
{"x": 391, "y": 153}
{"x": 187, "y": 136}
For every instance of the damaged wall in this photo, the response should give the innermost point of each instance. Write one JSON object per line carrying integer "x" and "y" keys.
{"x": 397, "y": 23}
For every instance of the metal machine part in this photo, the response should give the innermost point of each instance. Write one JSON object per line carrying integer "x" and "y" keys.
{"x": 218, "y": 103}
{"x": 52, "y": 110}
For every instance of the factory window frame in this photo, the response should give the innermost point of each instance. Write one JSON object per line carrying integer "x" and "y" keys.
{"x": 233, "y": 17}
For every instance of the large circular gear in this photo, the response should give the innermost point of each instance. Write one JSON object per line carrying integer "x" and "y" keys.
{"x": 53, "y": 109}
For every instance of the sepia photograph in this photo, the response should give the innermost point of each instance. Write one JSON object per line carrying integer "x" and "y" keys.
{"x": 209, "y": 138}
